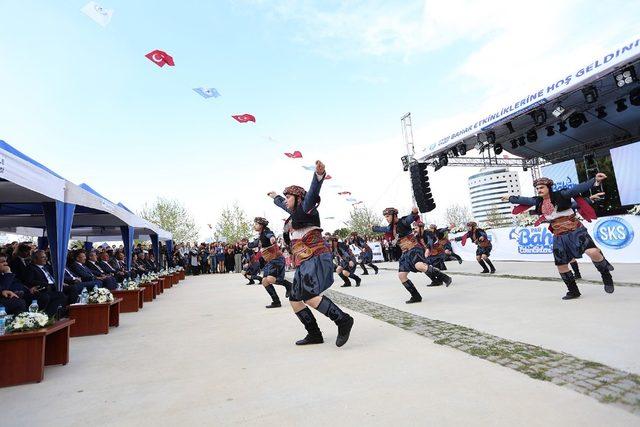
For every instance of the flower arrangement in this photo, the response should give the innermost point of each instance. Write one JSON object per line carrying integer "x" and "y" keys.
{"x": 100, "y": 296}
{"x": 525, "y": 219}
{"x": 29, "y": 321}
{"x": 129, "y": 285}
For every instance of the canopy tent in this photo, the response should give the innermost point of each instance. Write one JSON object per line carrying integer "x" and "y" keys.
{"x": 588, "y": 103}
{"x": 63, "y": 209}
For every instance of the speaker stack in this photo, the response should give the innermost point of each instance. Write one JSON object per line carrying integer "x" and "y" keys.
{"x": 421, "y": 188}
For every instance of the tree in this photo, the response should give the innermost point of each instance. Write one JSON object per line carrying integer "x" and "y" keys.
{"x": 496, "y": 219}
{"x": 458, "y": 215}
{"x": 233, "y": 224}
{"x": 362, "y": 219}
{"x": 172, "y": 216}
{"x": 342, "y": 233}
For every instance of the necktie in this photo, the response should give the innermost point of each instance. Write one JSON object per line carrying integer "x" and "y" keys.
{"x": 46, "y": 273}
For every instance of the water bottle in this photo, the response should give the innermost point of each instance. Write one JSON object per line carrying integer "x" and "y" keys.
{"x": 119, "y": 288}
{"x": 84, "y": 296}
{"x": 3, "y": 319}
{"x": 33, "y": 308}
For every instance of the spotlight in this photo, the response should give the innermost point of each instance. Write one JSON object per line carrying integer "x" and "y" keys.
{"x": 510, "y": 127}
{"x": 405, "y": 163}
{"x": 562, "y": 126}
{"x": 481, "y": 137}
{"x": 514, "y": 144}
{"x": 550, "y": 131}
{"x": 462, "y": 149}
{"x": 454, "y": 151}
{"x": 497, "y": 149}
{"x": 491, "y": 137}
{"x": 521, "y": 141}
{"x": 444, "y": 160}
{"x": 590, "y": 94}
{"x": 625, "y": 76}
{"x": 539, "y": 116}
{"x": 479, "y": 146}
{"x": 634, "y": 97}
{"x": 558, "y": 110}
{"x": 621, "y": 105}
{"x": 577, "y": 119}
{"x": 532, "y": 135}
{"x": 436, "y": 165}
{"x": 601, "y": 112}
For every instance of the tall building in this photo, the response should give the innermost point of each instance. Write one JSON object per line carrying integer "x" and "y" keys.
{"x": 485, "y": 190}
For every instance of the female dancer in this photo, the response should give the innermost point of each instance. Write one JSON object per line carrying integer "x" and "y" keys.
{"x": 312, "y": 257}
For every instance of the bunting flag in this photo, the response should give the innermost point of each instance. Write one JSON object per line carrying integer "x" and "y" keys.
{"x": 357, "y": 203}
{"x": 244, "y": 118}
{"x": 328, "y": 177}
{"x": 160, "y": 58}
{"x": 207, "y": 92}
{"x": 97, "y": 13}
{"x": 294, "y": 155}
{"x": 329, "y": 217}
{"x": 309, "y": 168}
{"x": 345, "y": 193}
{"x": 351, "y": 199}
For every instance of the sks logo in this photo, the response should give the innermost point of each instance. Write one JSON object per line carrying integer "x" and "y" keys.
{"x": 614, "y": 232}
{"x": 562, "y": 185}
{"x": 532, "y": 240}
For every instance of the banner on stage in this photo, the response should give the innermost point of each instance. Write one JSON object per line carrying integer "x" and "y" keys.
{"x": 564, "y": 174}
{"x": 376, "y": 249}
{"x": 617, "y": 236}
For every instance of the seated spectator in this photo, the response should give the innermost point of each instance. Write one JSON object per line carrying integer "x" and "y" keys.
{"x": 20, "y": 261}
{"x": 10, "y": 290}
{"x": 42, "y": 286}
{"x": 78, "y": 268}
{"x": 103, "y": 263}
{"x": 108, "y": 281}
{"x": 139, "y": 264}
{"x": 119, "y": 264}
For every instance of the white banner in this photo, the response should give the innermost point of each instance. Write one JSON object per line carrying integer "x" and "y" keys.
{"x": 625, "y": 160}
{"x": 614, "y": 235}
{"x": 564, "y": 174}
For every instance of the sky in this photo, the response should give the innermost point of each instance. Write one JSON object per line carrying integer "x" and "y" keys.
{"x": 328, "y": 78}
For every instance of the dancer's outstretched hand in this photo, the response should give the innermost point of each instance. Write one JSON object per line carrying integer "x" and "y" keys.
{"x": 414, "y": 210}
{"x": 600, "y": 177}
{"x": 272, "y": 194}
{"x": 319, "y": 167}
{"x": 505, "y": 198}
{"x": 597, "y": 197}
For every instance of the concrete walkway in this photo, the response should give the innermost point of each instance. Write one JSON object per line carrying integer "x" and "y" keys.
{"x": 208, "y": 353}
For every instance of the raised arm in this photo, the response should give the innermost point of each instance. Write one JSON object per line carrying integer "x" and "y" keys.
{"x": 312, "y": 195}
{"x": 520, "y": 200}
{"x": 578, "y": 189}
{"x": 280, "y": 202}
{"x": 381, "y": 229}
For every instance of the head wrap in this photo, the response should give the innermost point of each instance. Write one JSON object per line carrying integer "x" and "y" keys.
{"x": 543, "y": 181}
{"x": 390, "y": 211}
{"x": 472, "y": 224}
{"x": 261, "y": 221}
{"x": 295, "y": 190}
{"x": 433, "y": 226}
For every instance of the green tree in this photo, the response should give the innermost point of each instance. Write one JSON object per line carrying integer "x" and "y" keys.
{"x": 172, "y": 216}
{"x": 233, "y": 224}
{"x": 362, "y": 219}
{"x": 342, "y": 233}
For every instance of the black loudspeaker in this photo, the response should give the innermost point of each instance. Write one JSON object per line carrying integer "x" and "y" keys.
{"x": 421, "y": 188}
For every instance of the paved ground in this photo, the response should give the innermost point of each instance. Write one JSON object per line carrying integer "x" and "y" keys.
{"x": 207, "y": 353}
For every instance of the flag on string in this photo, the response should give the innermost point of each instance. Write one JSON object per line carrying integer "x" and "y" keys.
{"x": 244, "y": 118}
{"x": 160, "y": 58}
{"x": 357, "y": 203}
{"x": 205, "y": 92}
{"x": 328, "y": 177}
{"x": 345, "y": 193}
{"x": 351, "y": 199}
{"x": 329, "y": 217}
{"x": 294, "y": 155}
{"x": 97, "y": 13}
{"x": 309, "y": 168}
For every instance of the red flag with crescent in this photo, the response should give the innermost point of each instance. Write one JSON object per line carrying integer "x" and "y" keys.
{"x": 244, "y": 118}
{"x": 160, "y": 58}
{"x": 294, "y": 155}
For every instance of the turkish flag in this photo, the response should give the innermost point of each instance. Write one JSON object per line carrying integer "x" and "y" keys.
{"x": 244, "y": 118}
{"x": 294, "y": 155}
{"x": 160, "y": 58}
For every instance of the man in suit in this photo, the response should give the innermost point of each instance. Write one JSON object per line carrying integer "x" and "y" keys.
{"x": 151, "y": 263}
{"x": 10, "y": 290}
{"x": 103, "y": 263}
{"x": 139, "y": 263}
{"x": 20, "y": 261}
{"x": 42, "y": 286}
{"x": 78, "y": 268}
{"x": 119, "y": 264}
{"x": 108, "y": 281}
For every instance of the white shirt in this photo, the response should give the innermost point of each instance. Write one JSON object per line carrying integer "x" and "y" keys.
{"x": 47, "y": 275}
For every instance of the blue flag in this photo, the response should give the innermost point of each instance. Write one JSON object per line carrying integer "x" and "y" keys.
{"x": 309, "y": 168}
{"x": 207, "y": 92}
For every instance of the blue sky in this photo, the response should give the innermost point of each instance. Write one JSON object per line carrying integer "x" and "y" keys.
{"x": 328, "y": 78}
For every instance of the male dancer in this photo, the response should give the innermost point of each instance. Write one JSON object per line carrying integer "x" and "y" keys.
{"x": 366, "y": 254}
{"x": 346, "y": 262}
{"x": 252, "y": 266}
{"x": 273, "y": 272}
{"x": 412, "y": 259}
{"x": 442, "y": 235}
{"x": 480, "y": 238}
{"x": 570, "y": 237}
{"x": 312, "y": 257}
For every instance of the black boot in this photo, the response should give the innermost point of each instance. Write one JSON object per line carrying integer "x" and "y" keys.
{"x": 365, "y": 272}
{"x": 570, "y": 281}
{"x": 341, "y": 319}
{"x": 415, "y": 295}
{"x": 604, "y": 268}
{"x": 493, "y": 269}
{"x": 484, "y": 266}
{"x": 287, "y": 286}
{"x": 314, "y": 336}
{"x": 374, "y": 268}
{"x": 456, "y": 256}
{"x": 438, "y": 276}
{"x": 357, "y": 279}
{"x": 275, "y": 301}
{"x": 251, "y": 281}
{"x": 345, "y": 279}
{"x": 576, "y": 269}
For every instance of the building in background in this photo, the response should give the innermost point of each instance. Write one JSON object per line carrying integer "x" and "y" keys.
{"x": 485, "y": 190}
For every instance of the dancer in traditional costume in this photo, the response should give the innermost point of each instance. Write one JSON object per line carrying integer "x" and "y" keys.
{"x": 481, "y": 239}
{"x": 273, "y": 272}
{"x": 366, "y": 254}
{"x": 413, "y": 257}
{"x": 313, "y": 259}
{"x": 570, "y": 238}
{"x": 346, "y": 262}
